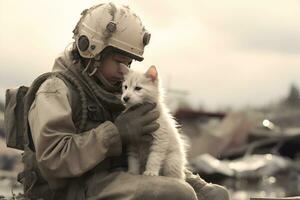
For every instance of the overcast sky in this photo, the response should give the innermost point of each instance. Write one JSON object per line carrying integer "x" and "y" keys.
{"x": 223, "y": 53}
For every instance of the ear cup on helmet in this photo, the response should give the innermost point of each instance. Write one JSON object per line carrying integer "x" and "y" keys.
{"x": 146, "y": 38}
{"x": 83, "y": 43}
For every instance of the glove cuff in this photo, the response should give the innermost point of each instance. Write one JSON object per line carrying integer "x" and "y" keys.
{"x": 112, "y": 140}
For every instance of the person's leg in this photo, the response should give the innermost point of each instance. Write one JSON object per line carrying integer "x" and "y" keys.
{"x": 213, "y": 192}
{"x": 124, "y": 186}
{"x": 163, "y": 188}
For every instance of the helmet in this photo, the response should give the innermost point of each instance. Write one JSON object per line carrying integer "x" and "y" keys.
{"x": 106, "y": 25}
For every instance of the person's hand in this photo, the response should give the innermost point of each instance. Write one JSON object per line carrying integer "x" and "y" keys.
{"x": 137, "y": 123}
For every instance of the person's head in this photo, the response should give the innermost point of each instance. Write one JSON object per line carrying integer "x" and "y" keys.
{"x": 106, "y": 35}
{"x": 111, "y": 67}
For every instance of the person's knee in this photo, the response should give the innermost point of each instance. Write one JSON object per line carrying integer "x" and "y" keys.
{"x": 163, "y": 188}
{"x": 178, "y": 190}
{"x": 213, "y": 192}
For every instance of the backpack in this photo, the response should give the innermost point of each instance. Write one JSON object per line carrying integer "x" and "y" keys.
{"x": 14, "y": 112}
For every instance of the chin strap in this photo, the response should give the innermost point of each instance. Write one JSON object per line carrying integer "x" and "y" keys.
{"x": 95, "y": 65}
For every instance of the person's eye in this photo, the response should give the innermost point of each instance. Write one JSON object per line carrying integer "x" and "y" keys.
{"x": 120, "y": 62}
{"x": 137, "y": 88}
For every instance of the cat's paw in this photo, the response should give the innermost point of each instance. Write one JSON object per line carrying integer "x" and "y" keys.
{"x": 150, "y": 173}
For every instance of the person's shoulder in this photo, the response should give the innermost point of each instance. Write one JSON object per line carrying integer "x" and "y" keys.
{"x": 53, "y": 84}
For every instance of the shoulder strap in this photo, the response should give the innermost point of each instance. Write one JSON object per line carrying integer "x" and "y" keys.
{"x": 29, "y": 98}
{"x": 69, "y": 78}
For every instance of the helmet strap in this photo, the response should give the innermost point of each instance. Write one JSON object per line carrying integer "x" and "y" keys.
{"x": 87, "y": 66}
{"x": 93, "y": 72}
{"x": 86, "y": 69}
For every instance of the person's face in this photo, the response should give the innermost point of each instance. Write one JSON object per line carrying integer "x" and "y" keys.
{"x": 111, "y": 67}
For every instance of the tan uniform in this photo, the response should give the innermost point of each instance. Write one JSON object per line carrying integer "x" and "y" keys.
{"x": 62, "y": 154}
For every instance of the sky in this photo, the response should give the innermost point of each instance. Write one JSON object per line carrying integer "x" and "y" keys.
{"x": 220, "y": 53}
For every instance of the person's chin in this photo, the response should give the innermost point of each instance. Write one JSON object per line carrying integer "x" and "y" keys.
{"x": 115, "y": 81}
{"x": 117, "y": 85}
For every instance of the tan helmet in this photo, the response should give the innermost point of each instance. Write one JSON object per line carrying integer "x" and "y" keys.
{"x": 108, "y": 25}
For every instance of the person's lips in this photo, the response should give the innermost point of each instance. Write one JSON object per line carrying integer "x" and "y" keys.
{"x": 118, "y": 78}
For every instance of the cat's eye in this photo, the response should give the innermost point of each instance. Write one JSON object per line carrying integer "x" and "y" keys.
{"x": 137, "y": 88}
{"x": 125, "y": 87}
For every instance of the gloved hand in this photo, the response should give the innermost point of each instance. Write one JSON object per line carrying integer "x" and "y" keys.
{"x": 137, "y": 123}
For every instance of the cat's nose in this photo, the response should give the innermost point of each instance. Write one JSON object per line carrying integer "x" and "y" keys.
{"x": 126, "y": 98}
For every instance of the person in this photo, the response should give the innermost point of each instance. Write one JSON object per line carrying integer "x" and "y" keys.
{"x": 78, "y": 129}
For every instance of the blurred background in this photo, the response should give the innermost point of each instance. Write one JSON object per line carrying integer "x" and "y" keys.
{"x": 231, "y": 71}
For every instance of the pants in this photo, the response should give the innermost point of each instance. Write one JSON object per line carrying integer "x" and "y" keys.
{"x": 120, "y": 185}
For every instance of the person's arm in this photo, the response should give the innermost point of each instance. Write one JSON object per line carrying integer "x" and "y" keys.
{"x": 60, "y": 152}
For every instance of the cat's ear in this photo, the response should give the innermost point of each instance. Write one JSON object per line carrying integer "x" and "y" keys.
{"x": 152, "y": 73}
{"x": 124, "y": 69}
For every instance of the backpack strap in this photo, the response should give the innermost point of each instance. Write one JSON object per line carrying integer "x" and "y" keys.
{"x": 28, "y": 100}
{"x": 70, "y": 78}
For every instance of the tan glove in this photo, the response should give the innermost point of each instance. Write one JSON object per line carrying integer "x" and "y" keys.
{"x": 137, "y": 123}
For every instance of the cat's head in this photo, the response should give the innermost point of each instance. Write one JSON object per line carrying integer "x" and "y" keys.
{"x": 140, "y": 87}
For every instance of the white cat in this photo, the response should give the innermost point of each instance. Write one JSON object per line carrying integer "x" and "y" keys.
{"x": 166, "y": 155}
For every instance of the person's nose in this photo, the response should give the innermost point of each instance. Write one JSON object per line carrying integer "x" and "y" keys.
{"x": 123, "y": 69}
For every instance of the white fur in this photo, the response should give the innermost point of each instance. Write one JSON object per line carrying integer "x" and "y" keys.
{"x": 166, "y": 155}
